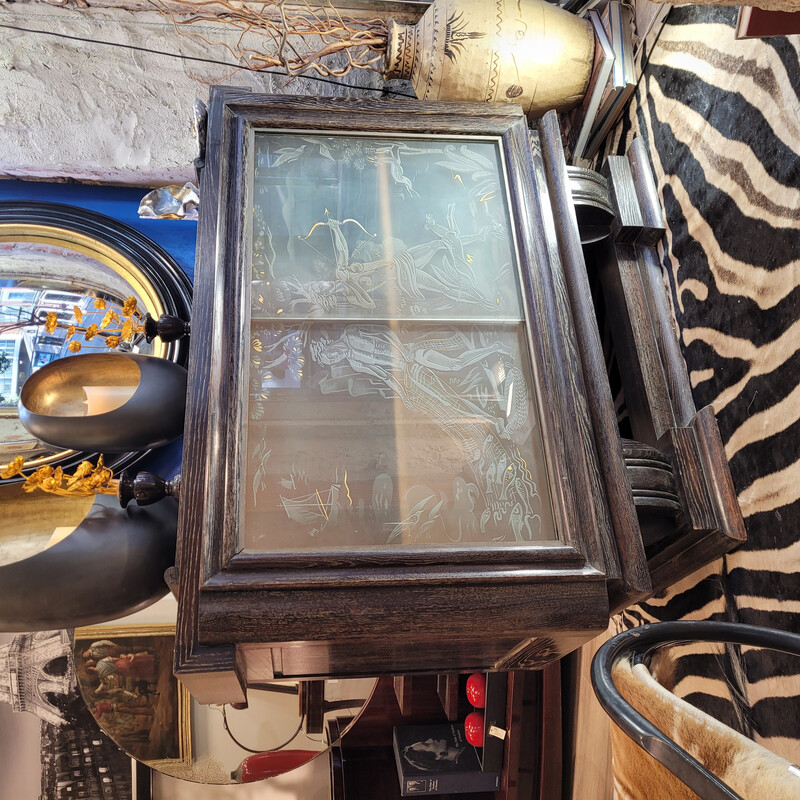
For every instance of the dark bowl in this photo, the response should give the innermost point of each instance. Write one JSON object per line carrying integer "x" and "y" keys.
{"x": 51, "y": 402}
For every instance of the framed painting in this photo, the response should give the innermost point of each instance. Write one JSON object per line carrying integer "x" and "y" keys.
{"x": 125, "y": 677}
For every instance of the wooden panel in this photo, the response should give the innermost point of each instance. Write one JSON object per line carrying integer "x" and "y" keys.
{"x": 214, "y": 675}
{"x": 712, "y": 521}
{"x": 221, "y": 673}
{"x": 646, "y": 394}
{"x": 447, "y": 689}
{"x": 402, "y": 691}
{"x": 311, "y": 696}
{"x": 625, "y": 559}
{"x": 492, "y": 610}
{"x": 550, "y": 743}
{"x": 587, "y": 766}
{"x": 653, "y": 225}
{"x": 628, "y": 221}
{"x": 512, "y": 746}
{"x": 658, "y": 394}
{"x": 370, "y": 610}
{"x": 373, "y": 728}
{"x": 364, "y": 657}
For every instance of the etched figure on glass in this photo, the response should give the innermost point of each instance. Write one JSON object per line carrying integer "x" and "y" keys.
{"x": 390, "y": 399}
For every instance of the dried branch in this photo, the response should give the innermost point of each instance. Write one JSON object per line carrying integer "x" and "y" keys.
{"x": 299, "y": 39}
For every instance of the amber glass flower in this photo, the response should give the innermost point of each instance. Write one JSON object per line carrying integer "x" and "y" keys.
{"x": 120, "y": 324}
{"x": 87, "y": 480}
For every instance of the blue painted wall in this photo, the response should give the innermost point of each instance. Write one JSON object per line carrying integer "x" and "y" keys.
{"x": 177, "y": 237}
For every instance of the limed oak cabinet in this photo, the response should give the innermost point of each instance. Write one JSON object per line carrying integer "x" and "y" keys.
{"x": 401, "y": 453}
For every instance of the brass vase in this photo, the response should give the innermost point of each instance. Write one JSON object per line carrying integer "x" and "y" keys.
{"x": 110, "y": 565}
{"x": 527, "y": 52}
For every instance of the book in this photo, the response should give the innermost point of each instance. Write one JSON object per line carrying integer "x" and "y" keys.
{"x": 580, "y": 7}
{"x": 649, "y": 19}
{"x": 623, "y": 78}
{"x": 603, "y": 64}
{"x": 755, "y": 23}
{"x": 437, "y": 759}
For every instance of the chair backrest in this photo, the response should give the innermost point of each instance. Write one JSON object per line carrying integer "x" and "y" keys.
{"x": 723, "y": 764}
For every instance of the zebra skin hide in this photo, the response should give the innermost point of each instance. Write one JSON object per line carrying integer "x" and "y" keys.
{"x": 745, "y": 766}
{"x": 721, "y": 119}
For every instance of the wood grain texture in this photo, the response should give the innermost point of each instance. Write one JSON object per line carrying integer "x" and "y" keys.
{"x": 521, "y": 756}
{"x": 653, "y": 225}
{"x": 447, "y": 688}
{"x": 548, "y": 295}
{"x": 613, "y": 499}
{"x": 492, "y": 609}
{"x": 658, "y": 394}
{"x": 712, "y": 521}
{"x": 677, "y": 377}
{"x": 207, "y": 673}
{"x": 375, "y": 610}
{"x": 389, "y": 576}
{"x": 365, "y": 657}
{"x": 628, "y": 220}
{"x": 587, "y": 752}
{"x": 311, "y": 696}
{"x": 282, "y": 566}
{"x": 641, "y": 369}
{"x": 533, "y": 653}
{"x": 550, "y": 741}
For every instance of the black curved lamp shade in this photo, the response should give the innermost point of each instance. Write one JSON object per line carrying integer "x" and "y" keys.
{"x": 111, "y": 402}
{"x": 111, "y": 565}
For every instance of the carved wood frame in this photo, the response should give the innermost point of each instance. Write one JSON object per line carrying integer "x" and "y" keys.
{"x": 417, "y": 610}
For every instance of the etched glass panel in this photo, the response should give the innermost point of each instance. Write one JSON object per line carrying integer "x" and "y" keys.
{"x": 348, "y": 227}
{"x": 390, "y": 397}
{"x": 375, "y": 433}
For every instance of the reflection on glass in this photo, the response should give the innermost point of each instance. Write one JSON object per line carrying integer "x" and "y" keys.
{"x": 390, "y": 392}
{"x": 33, "y": 522}
{"x": 124, "y": 674}
{"x": 367, "y": 433}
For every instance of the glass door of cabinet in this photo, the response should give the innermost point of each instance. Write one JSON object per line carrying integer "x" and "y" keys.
{"x": 390, "y": 399}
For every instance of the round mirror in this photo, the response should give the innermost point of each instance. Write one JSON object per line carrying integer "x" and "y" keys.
{"x": 125, "y": 678}
{"x": 59, "y": 260}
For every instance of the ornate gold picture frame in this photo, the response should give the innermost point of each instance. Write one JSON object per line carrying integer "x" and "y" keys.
{"x": 125, "y": 676}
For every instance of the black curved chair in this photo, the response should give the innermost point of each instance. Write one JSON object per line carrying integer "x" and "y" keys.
{"x": 638, "y": 645}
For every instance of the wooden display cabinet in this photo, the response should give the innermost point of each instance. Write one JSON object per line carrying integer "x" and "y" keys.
{"x": 400, "y": 451}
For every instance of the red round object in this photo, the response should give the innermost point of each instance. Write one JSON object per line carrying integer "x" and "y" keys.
{"x": 473, "y": 728}
{"x": 476, "y": 689}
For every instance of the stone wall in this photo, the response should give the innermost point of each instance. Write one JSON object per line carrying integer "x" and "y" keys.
{"x": 97, "y": 113}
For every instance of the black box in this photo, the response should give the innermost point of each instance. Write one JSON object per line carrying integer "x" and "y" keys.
{"x": 437, "y": 759}
{"x": 494, "y": 732}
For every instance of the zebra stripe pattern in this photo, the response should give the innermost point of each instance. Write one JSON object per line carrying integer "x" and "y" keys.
{"x": 721, "y": 119}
